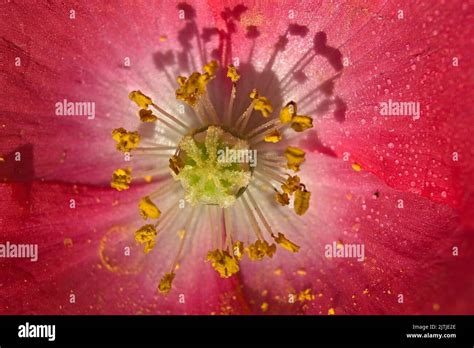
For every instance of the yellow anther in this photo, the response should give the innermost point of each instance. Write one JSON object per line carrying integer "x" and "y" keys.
{"x": 223, "y": 263}
{"x": 331, "y": 311}
{"x": 238, "y": 250}
{"x": 148, "y": 209}
{"x": 260, "y": 249}
{"x": 165, "y": 283}
{"x": 282, "y": 198}
{"x": 232, "y": 73}
{"x": 140, "y": 99}
{"x": 300, "y": 123}
{"x": 295, "y": 157}
{"x": 146, "y": 235}
{"x": 261, "y": 103}
{"x": 176, "y": 164}
{"x": 286, "y": 243}
{"x": 211, "y": 68}
{"x": 302, "y": 198}
{"x": 191, "y": 88}
{"x": 146, "y": 115}
{"x": 121, "y": 178}
{"x": 356, "y": 167}
{"x": 126, "y": 141}
{"x": 291, "y": 184}
{"x": 273, "y": 137}
{"x": 288, "y": 112}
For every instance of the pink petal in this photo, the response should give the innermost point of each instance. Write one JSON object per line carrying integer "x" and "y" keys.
{"x": 408, "y": 251}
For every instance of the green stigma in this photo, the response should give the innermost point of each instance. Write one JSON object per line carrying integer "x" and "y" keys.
{"x": 214, "y": 166}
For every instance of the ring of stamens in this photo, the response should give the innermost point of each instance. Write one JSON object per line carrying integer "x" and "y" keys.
{"x": 200, "y": 162}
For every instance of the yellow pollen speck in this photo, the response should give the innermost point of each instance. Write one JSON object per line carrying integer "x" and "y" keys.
{"x": 223, "y": 263}
{"x": 121, "y": 178}
{"x": 365, "y": 292}
{"x": 68, "y": 242}
{"x": 273, "y": 137}
{"x": 165, "y": 283}
{"x": 148, "y": 178}
{"x": 295, "y": 157}
{"x": 126, "y": 141}
{"x": 140, "y": 99}
{"x": 301, "y": 272}
{"x": 286, "y": 243}
{"x": 146, "y": 115}
{"x": 181, "y": 234}
{"x": 264, "y": 306}
{"x": 356, "y": 167}
{"x": 232, "y": 73}
{"x": 261, "y": 103}
{"x": 146, "y": 235}
{"x": 331, "y": 311}
{"x": 301, "y": 203}
{"x": 288, "y": 112}
{"x": 306, "y": 295}
{"x": 260, "y": 249}
{"x": 148, "y": 209}
{"x": 163, "y": 38}
{"x": 278, "y": 272}
{"x": 2, "y": 159}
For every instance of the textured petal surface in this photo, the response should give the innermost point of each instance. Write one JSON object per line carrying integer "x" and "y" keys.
{"x": 410, "y": 207}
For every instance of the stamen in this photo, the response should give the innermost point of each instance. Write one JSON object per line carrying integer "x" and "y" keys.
{"x": 146, "y": 235}
{"x": 140, "y": 99}
{"x": 301, "y": 123}
{"x": 273, "y": 137}
{"x": 165, "y": 282}
{"x": 234, "y": 77}
{"x": 171, "y": 117}
{"x": 286, "y": 243}
{"x": 126, "y": 141}
{"x": 148, "y": 209}
{"x": 262, "y": 127}
{"x": 146, "y": 115}
{"x": 253, "y": 220}
{"x": 302, "y": 198}
{"x": 223, "y": 263}
{"x": 295, "y": 157}
{"x": 262, "y": 103}
{"x": 121, "y": 178}
{"x": 243, "y": 119}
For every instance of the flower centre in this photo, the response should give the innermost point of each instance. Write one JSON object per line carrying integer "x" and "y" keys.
{"x": 215, "y": 162}
{"x": 213, "y": 165}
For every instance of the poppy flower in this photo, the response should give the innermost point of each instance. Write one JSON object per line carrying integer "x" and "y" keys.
{"x": 306, "y": 158}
